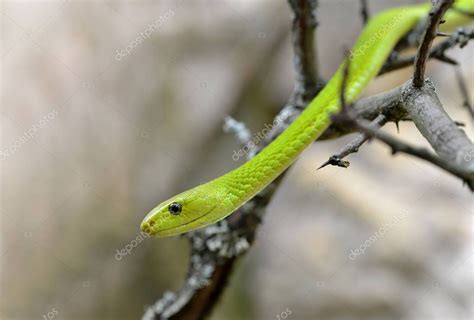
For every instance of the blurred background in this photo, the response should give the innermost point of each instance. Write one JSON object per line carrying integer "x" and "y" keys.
{"x": 110, "y": 107}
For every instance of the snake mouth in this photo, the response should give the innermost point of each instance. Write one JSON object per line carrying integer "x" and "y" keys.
{"x": 177, "y": 229}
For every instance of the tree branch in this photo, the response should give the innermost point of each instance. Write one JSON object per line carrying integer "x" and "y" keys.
{"x": 438, "y": 10}
{"x": 455, "y": 152}
{"x": 387, "y": 103}
{"x": 308, "y": 82}
{"x": 447, "y": 139}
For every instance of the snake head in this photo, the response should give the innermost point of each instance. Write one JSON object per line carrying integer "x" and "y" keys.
{"x": 192, "y": 209}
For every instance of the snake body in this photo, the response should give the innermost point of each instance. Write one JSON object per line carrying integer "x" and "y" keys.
{"x": 218, "y": 198}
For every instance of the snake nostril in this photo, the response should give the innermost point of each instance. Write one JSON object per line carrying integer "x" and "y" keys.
{"x": 151, "y": 223}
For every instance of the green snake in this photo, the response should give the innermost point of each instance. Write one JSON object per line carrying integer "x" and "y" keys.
{"x": 218, "y": 198}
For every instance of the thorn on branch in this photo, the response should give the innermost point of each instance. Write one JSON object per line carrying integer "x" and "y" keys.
{"x": 444, "y": 58}
{"x": 336, "y": 160}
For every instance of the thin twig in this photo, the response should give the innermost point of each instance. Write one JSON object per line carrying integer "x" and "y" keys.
{"x": 436, "y": 13}
{"x": 353, "y": 146}
{"x": 308, "y": 81}
{"x": 345, "y": 76}
{"x": 459, "y": 37}
{"x": 364, "y": 11}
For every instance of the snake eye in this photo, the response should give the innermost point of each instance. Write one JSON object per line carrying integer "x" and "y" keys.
{"x": 175, "y": 208}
